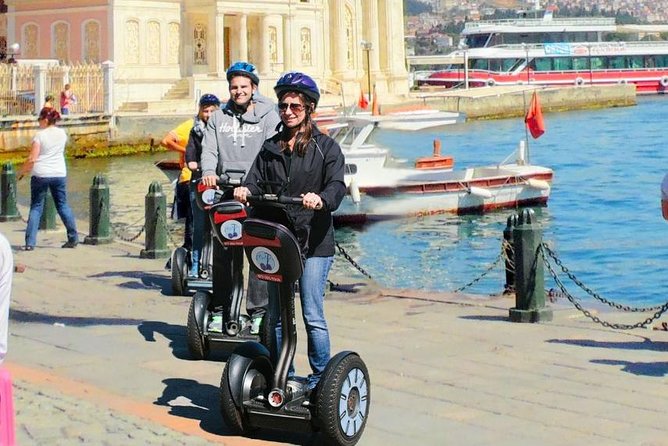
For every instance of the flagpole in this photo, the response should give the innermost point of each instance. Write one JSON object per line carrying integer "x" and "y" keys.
{"x": 526, "y": 128}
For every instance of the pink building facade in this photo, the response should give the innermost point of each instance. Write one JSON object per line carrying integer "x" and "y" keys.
{"x": 78, "y": 32}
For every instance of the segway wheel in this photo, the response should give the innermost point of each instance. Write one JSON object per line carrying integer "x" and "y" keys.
{"x": 245, "y": 377}
{"x": 179, "y": 271}
{"x": 197, "y": 345}
{"x": 343, "y": 397}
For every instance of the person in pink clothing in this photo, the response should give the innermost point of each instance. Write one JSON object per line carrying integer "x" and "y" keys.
{"x": 67, "y": 99}
{"x": 6, "y": 275}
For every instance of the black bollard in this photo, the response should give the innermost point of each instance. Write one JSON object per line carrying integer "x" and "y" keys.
{"x": 155, "y": 224}
{"x": 508, "y": 253}
{"x": 529, "y": 282}
{"x": 8, "y": 211}
{"x": 100, "y": 226}
{"x": 47, "y": 221}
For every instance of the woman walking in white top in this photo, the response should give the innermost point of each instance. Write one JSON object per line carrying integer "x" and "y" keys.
{"x": 46, "y": 162}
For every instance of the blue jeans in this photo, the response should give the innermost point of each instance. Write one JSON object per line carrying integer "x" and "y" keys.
{"x": 312, "y": 295}
{"x": 58, "y": 187}
{"x": 198, "y": 227}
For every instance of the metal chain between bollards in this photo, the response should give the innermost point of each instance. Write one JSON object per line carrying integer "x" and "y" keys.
{"x": 642, "y": 324}
{"x": 483, "y": 274}
{"x": 593, "y": 294}
{"x": 352, "y": 262}
{"x": 122, "y": 236}
{"x": 508, "y": 253}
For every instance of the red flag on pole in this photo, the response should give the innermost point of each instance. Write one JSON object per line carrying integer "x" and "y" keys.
{"x": 534, "y": 117}
{"x": 363, "y": 103}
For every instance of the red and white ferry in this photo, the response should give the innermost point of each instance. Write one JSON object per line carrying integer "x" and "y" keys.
{"x": 554, "y": 51}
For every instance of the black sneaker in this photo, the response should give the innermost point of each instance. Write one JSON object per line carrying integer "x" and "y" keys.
{"x": 70, "y": 244}
{"x": 28, "y": 248}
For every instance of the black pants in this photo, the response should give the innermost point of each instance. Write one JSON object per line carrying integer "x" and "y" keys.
{"x": 183, "y": 209}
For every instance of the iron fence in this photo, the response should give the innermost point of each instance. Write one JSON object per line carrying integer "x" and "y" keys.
{"x": 17, "y": 87}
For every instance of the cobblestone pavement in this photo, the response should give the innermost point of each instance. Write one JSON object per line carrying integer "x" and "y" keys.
{"x": 66, "y": 420}
{"x": 98, "y": 354}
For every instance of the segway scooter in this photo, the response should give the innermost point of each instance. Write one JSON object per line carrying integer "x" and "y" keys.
{"x": 223, "y": 326}
{"x": 254, "y": 393}
{"x": 181, "y": 260}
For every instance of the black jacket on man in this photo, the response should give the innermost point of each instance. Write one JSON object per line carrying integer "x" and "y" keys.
{"x": 320, "y": 171}
{"x": 194, "y": 147}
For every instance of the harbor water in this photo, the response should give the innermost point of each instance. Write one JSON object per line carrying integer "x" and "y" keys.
{"x": 603, "y": 218}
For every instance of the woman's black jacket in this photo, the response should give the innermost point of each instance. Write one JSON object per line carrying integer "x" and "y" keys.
{"x": 320, "y": 171}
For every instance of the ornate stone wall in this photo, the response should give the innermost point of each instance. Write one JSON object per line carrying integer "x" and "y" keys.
{"x": 154, "y": 43}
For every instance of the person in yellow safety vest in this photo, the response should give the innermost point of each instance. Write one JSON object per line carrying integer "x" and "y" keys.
{"x": 176, "y": 140}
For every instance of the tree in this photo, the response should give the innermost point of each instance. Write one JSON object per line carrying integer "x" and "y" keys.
{"x": 414, "y": 7}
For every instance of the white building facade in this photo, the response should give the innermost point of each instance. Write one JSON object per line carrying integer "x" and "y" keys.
{"x": 165, "y": 48}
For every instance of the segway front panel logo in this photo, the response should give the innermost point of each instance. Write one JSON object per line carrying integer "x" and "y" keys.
{"x": 265, "y": 260}
{"x": 231, "y": 230}
{"x": 208, "y": 196}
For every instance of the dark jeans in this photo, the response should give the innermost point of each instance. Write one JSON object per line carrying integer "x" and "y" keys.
{"x": 38, "y": 189}
{"x": 182, "y": 204}
{"x": 200, "y": 230}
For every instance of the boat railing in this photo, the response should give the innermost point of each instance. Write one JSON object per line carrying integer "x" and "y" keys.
{"x": 596, "y": 48}
{"x": 574, "y": 21}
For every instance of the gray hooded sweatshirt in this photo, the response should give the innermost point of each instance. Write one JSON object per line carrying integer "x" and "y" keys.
{"x": 232, "y": 140}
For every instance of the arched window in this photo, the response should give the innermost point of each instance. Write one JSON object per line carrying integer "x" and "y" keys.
{"x": 132, "y": 42}
{"x": 60, "y": 41}
{"x": 153, "y": 42}
{"x": 173, "y": 42}
{"x": 305, "y": 39}
{"x": 199, "y": 44}
{"x": 273, "y": 46}
{"x": 349, "y": 36}
{"x": 29, "y": 39}
{"x": 91, "y": 41}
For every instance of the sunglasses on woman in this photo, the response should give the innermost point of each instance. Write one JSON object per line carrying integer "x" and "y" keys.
{"x": 294, "y": 107}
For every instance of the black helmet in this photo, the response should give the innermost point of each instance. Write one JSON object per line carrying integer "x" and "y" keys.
{"x": 243, "y": 69}
{"x": 299, "y": 82}
{"x": 209, "y": 99}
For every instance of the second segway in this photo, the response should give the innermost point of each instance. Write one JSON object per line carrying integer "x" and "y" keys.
{"x": 223, "y": 325}
{"x": 181, "y": 261}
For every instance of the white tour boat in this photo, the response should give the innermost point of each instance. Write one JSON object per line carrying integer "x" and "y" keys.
{"x": 556, "y": 52}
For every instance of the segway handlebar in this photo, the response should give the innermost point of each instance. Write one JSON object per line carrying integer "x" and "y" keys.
{"x": 273, "y": 198}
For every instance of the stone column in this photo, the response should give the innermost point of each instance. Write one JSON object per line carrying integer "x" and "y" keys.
{"x": 243, "y": 37}
{"x": 39, "y": 73}
{"x": 287, "y": 42}
{"x": 338, "y": 38}
{"x": 395, "y": 29}
{"x": 371, "y": 33}
{"x": 108, "y": 86}
{"x": 219, "y": 43}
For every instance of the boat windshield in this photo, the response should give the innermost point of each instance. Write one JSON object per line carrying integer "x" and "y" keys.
{"x": 477, "y": 40}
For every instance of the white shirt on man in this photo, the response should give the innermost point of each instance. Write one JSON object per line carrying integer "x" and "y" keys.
{"x": 51, "y": 159}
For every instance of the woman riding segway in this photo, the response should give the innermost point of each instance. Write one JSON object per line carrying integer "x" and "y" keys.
{"x": 301, "y": 162}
